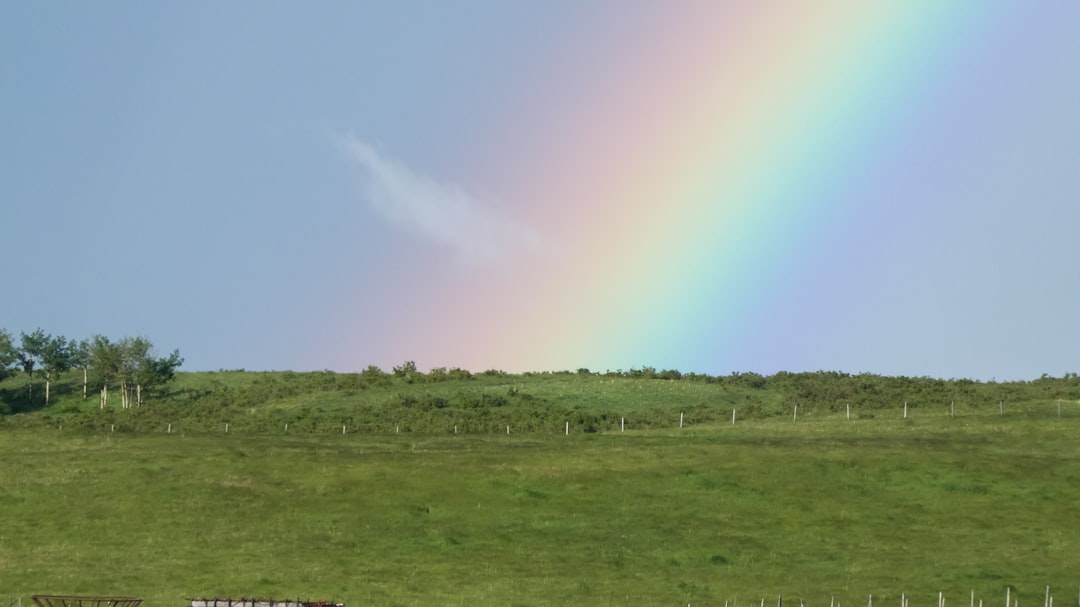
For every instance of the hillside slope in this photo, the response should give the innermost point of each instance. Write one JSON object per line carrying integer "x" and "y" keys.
{"x": 447, "y": 401}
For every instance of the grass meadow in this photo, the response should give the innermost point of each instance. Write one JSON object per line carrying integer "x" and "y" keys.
{"x": 813, "y": 508}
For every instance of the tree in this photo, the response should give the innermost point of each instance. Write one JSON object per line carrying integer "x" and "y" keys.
{"x": 81, "y": 359}
{"x": 132, "y": 352}
{"x": 8, "y": 353}
{"x": 105, "y": 360}
{"x": 130, "y": 362}
{"x": 55, "y": 359}
{"x": 30, "y": 352}
{"x": 155, "y": 371}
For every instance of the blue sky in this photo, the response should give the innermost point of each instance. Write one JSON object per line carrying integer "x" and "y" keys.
{"x": 174, "y": 170}
{"x": 178, "y": 171}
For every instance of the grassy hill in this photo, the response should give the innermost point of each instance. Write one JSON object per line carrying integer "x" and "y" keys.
{"x": 440, "y": 401}
{"x": 975, "y": 491}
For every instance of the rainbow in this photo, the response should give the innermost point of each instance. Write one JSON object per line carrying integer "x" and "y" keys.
{"x": 694, "y": 167}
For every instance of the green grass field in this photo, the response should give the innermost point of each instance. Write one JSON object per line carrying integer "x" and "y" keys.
{"x": 707, "y": 515}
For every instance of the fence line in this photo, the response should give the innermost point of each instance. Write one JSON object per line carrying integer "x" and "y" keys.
{"x": 803, "y": 414}
{"x": 1011, "y": 600}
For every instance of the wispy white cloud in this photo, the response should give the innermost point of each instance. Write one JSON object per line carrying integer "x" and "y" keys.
{"x": 441, "y": 213}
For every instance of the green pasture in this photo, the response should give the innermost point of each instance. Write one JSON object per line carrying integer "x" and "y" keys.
{"x": 712, "y": 514}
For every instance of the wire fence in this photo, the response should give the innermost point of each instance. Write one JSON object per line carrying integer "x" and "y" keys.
{"x": 697, "y": 417}
{"x": 1010, "y": 598}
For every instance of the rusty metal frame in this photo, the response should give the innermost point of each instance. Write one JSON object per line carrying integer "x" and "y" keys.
{"x": 254, "y": 602}
{"x": 58, "y": 600}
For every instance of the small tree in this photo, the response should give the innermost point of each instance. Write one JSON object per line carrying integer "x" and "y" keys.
{"x": 105, "y": 360}
{"x": 405, "y": 368}
{"x": 8, "y": 353}
{"x": 374, "y": 376}
{"x": 154, "y": 372}
{"x": 81, "y": 357}
{"x": 55, "y": 359}
{"x": 132, "y": 352}
{"x": 30, "y": 352}
{"x": 407, "y": 371}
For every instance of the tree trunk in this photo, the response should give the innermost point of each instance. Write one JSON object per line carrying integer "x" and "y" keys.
{"x": 47, "y": 382}
{"x": 84, "y": 383}
{"x": 104, "y": 395}
{"x": 138, "y": 395}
